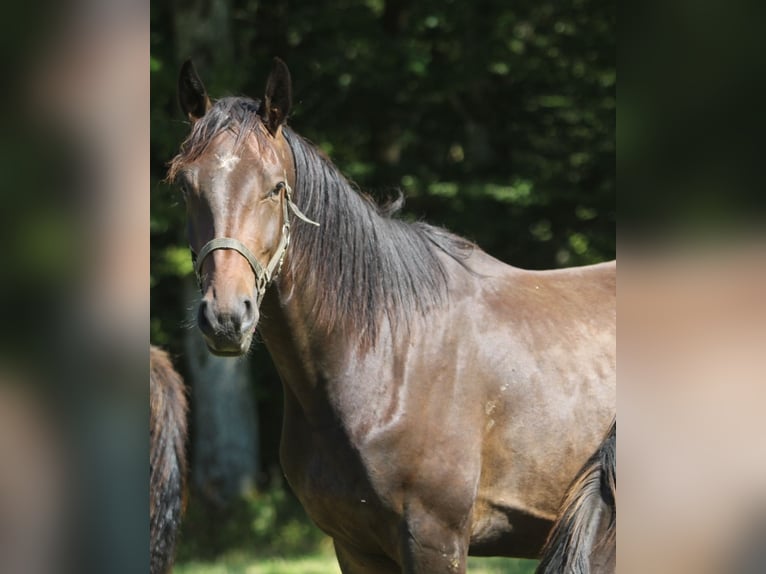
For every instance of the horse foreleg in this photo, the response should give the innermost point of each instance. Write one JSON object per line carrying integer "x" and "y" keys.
{"x": 429, "y": 546}
{"x": 353, "y": 561}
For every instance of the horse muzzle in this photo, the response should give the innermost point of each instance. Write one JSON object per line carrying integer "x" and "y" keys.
{"x": 228, "y": 331}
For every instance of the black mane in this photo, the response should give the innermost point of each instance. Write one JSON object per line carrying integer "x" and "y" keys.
{"x": 375, "y": 263}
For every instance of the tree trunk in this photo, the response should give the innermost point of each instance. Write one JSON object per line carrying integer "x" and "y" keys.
{"x": 225, "y": 453}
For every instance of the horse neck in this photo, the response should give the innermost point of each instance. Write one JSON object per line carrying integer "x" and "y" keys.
{"x": 302, "y": 357}
{"x": 357, "y": 278}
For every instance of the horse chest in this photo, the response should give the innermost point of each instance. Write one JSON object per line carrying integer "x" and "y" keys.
{"x": 333, "y": 485}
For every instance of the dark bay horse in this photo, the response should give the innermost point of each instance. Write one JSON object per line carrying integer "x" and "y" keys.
{"x": 167, "y": 459}
{"x": 438, "y": 402}
{"x": 584, "y": 538}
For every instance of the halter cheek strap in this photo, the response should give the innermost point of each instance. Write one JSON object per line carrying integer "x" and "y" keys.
{"x": 263, "y": 275}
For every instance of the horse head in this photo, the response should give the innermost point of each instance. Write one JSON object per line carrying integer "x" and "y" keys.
{"x": 236, "y": 172}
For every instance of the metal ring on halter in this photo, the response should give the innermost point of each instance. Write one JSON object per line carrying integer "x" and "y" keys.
{"x": 263, "y": 275}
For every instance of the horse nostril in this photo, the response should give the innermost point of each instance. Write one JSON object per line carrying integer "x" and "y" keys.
{"x": 203, "y": 318}
{"x": 248, "y": 317}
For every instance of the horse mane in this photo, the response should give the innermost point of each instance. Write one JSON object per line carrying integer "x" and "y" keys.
{"x": 167, "y": 458}
{"x": 375, "y": 263}
{"x": 577, "y": 536}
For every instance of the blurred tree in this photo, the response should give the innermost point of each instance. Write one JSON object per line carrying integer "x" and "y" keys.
{"x": 225, "y": 450}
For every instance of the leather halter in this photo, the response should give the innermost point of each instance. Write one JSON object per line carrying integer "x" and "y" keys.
{"x": 263, "y": 275}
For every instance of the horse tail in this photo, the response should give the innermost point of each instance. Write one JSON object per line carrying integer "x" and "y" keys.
{"x": 167, "y": 458}
{"x": 583, "y": 539}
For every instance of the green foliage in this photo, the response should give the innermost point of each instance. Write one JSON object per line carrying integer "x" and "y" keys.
{"x": 473, "y": 102}
{"x": 268, "y": 523}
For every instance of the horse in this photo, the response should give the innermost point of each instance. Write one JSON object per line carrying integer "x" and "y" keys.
{"x": 437, "y": 401}
{"x": 167, "y": 459}
{"x": 584, "y": 538}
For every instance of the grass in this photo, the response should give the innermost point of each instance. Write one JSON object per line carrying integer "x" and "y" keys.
{"x": 324, "y": 563}
{"x": 316, "y": 564}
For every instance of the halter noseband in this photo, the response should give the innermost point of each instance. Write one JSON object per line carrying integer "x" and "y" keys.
{"x": 263, "y": 275}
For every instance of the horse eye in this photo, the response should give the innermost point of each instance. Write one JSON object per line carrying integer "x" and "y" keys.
{"x": 277, "y": 188}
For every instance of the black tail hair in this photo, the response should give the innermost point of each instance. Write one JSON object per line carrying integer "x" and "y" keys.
{"x": 578, "y": 542}
{"x": 167, "y": 459}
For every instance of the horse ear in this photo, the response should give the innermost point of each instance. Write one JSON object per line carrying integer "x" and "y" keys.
{"x": 191, "y": 92}
{"x": 278, "y": 98}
